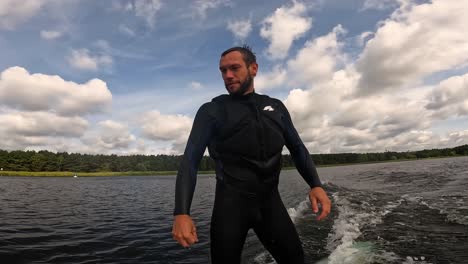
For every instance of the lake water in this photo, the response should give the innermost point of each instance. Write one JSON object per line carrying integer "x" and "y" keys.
{"x": 402, "y": 212}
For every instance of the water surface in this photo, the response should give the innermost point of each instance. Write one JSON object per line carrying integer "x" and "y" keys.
{"x": 402, "y": 212}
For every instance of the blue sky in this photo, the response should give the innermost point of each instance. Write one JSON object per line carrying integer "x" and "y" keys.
{"x": 127, "y": 76}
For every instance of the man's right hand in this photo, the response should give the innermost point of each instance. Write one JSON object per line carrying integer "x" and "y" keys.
{"x": 184, "y": 230}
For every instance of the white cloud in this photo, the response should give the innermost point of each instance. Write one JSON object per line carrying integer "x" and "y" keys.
{"x": 20, "y": 142}
{"x": 39, "y": 92}
{"x": 313, "y": 108}
{"x": 318, "y": 59}
{"x": 285, "y": 25}
{"x": 83, "y": 60}
{"x": 240, "y": 29}
{"x": 450, "y": 97}
{"x": 201, "y": 7}
{"x": 172, "y": 128}
{"x": 196, "y": 85}
{"x": 126, "y": 30}
{"x": 362, "y": 39}
{"x": 13, "y": 12}
{"x": 270, "y": 80}
{"x": 109, "y": 136}
{"x": 330, "y": 121}
{"x": 46, "y": 34}
{"x": 454, "y": 139}
{"x": 41, "y": 124}
{"x": 417, "y": 41}
{"x": 39, "y": 111}
{"x": 145, "y": 9}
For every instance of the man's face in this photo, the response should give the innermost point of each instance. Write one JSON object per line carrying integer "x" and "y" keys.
{"x": 238, "y": 78}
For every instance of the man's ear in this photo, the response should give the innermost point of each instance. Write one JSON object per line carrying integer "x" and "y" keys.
{"x": 253, "y": 68}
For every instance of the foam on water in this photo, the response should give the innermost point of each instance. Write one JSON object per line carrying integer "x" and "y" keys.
{"x": 264, "y": 258}
{"x": 299, "y": 210}
{"x": 416, "y": 260}
{"x": 445, "y": 206}
{"x": 347, "y": 228}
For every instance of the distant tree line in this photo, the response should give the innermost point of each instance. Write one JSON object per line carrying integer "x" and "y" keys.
{"x": 62, "y": 161}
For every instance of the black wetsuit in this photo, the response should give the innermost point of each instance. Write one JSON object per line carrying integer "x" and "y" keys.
{"x": 245, "y": 136}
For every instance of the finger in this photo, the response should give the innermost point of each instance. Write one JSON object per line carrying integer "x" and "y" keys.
{"x": 191, "y": 239}
{"x": 326, "y": 207}
{"x": 183, "y": 239}
{"x": 194, "y": 232}
{"x": 313, "y": 200}
{"x": 323, "y": 214}
{"x": 183, "y": 242}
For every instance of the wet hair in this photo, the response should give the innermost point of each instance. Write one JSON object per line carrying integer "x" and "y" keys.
{"x": 246, "y": 51}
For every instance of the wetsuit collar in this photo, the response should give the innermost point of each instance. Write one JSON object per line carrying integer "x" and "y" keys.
{"x": 244, "y": 96}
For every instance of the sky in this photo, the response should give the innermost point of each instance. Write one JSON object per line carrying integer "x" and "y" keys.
{"x": 128, "y": 76}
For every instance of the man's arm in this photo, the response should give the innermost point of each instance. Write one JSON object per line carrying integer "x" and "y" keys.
{"x": 299, "y": 153}
{"x": 305, "y": 166}
{"x": 184, "y": 230}
{"x": 202, "y": 130}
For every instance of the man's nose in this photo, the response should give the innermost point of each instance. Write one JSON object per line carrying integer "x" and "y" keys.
{"x": 228, "y": 74}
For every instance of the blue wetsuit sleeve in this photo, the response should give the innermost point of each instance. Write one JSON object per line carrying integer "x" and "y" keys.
{"x": 200, "y": 135}
{"x": 299, "y": 153}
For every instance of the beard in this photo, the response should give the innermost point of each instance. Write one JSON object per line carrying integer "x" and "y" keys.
{"x": 244, "y": 86}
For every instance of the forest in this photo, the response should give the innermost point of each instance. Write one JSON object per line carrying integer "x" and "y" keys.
{"x": 36, "y": 161}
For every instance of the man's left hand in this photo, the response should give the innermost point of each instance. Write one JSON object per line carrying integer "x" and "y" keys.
{"x": 318, "y": 196}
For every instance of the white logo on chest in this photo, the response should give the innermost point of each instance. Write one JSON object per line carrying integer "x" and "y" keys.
{"x": 268, "y": 108}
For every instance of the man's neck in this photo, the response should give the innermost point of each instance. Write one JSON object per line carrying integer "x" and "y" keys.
{"x": 249, "y": 91}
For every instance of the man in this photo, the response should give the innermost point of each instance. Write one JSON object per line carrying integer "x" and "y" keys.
{"x": 245, "y": 133}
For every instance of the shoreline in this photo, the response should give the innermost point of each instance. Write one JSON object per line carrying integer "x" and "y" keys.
{"x": 165, "y": 173}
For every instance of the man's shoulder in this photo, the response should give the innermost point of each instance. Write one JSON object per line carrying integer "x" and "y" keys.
{"x": 212, "y": 107}
{"x": 269, "y": 99}
{"x": 220, "y": 98}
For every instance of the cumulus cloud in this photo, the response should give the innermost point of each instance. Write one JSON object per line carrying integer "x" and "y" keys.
{"x": 173, "y": 128}
{"x": 285, "y": 25}
{"x": 455, "y": 138}
{"x": 330, "y": 121}
{"x": 109, "y": 136}
{"x": 415, "y": 42}
{"x": 311, "y": 108}
{"x": 13, "y": 12}
{"x": 240, "y": 29}
{"x": 449, "y": 97}
{"x": 270, "y": 80}
{"x": 39, "y": 92}
{"x": 331, "y": 118}
{"x": 318, "y": 59}
{"x": 46, "y": 34}
{"x": 201, "y": 7}
{"x": 41, "y": 124}
{"x": 83, "y": 60}
{"x": 39, "y": 111}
